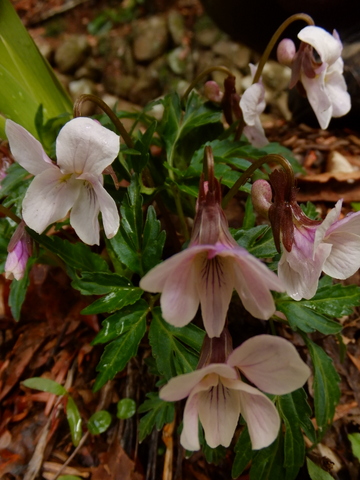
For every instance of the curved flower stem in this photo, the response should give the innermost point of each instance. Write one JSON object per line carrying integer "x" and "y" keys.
{"x": 8, "y": 213}
{"x": 204, "y": 74}
{"x": 273, "y": 157}
{"x": 100, "y": 103}
{"x": 293, "y": 18}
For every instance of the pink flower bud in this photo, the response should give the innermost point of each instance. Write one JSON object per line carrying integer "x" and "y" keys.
{"x": 261, "y": 195}
{"x": 212, "y": 91}
{"x": 286, "y": 52}
{"x": 20, "y": 249}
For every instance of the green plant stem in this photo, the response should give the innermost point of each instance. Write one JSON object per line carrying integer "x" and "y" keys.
{"x": 100, "y": 103}
{"x": 8, "y": 213}
{"x": 293, "y": 18}
{"x": 204, "y": 74}
{"x": 273, "y": 157}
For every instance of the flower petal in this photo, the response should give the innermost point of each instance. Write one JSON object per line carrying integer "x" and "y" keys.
{"x": 344, "y": 259}
{"x": 219, "y": 409}
{"x": 27, "y": 151}
{"x": 329, "y": 47}
{"x": 84, "y": 214}
{"x": 252, "y": 103}
{"x": 107, "y": 205}
{"x": 327, "y": 225}
{"x": 189, "y": 437}
{"x": 215, "y": 285}
{"x": 256, "y": 134}
{"x": 49, "y": 198}
{"x": 85, "y": 146}
{"x": 253, "y": 282}
{"x": 271, "y": 363}
{"x": 318, "y": 98}
{"x": 336, "y": 89}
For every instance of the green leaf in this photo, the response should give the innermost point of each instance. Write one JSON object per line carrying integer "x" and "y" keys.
{"x": 317, "y": 473}
{"x": 355, "y": 444}
{"x": 258, "y": 240}
{"x": 243, "y": 454}
{"x": 267, "y": 464}
{"x": 213, "y": 455}
{"x": 176, "y": 350}
{"x": 326, "y": 385}
{"x": 119, "y": 351}
{"x": 142, "y": 145}
{"x": 74, "y": 420}
{"x": 115, "y": 300}
{"x": 153, "y": 241}
{"x": 14, "y": 186}
{"x": 99, "y": 422}
{"x": 98, "y": 283}
{"x": 18, "y": 289}
{"x": 275, "y": 147}
{"x": 26, "y": 79}
{"x": 198, "y": 113}
{"x": 45, "y": 385}
{"x": 126, "y": 408}
{"x": 77, "y": 256}
{"x": 69, "y": 477}
{"x": 158, "y": 413}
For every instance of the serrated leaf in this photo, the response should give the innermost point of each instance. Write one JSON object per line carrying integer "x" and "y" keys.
{"x": 45, "y": 385}
{"x": 267, "y": 463}
{"x": 243, "y": 454}
{"x": 159, "y": 413}
{"x": 326, "y": 385}
{"x": 99, "y": 422}
{"x": 170, "y": 346}
{"x": 198, "y": 113}
{"x": 98, "y": 283}
{"x": 153, "y": 241}
{"x": 316, "y": 472}
{"x": 335, "y": 300}
{"x": 117, "y": 353}
{"x": 142, "y": 146}
{"x": 115, "y": 300}
{"x": 77, "y": 256}
{"x": 258, "y": 241}
{"x": 121, "y": 322}
{"x": 74, "y": 420}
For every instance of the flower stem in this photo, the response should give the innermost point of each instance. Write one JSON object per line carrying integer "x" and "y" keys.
{"x": 100, "y": 103}
{"x": 273, "y": 157}
{"x": 293, "y": 18}
{"x": 204, "y": 74}
{"x": 8, "y": 213}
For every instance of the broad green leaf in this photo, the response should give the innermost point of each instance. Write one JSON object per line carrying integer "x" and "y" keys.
{"x": 326, "y": 385}
{"x": 142, "y": 145}
{"x": 243, "y": 454}
{"x": 117, "y": 299}
{"x": 126, "y": 408}
{"x": 101, "y": 283}
{"x": 45, "y": 385}
{"x": 355, "y": 444}
{"x": 18, "y": 289}
{"x": 26, "y": 79}
{"x": 99, "y": 422}
{"x": 275, "y": 147}
{"x": 153, "y": 241}
{"x": 305, "y": 319}
{"x": 74, "y": 420}
{"x": 118, "y": 352}
{"x": 69, "y": 477}
{"x": 258, "y": 240}
{"x": 175, "y": 349}
{"x": 316, "y": 472}
{"x": 14, "y": 186}
{"x": 198, "y": 113}
{"x": 158, "y": 413}
{"x": 267, "y": 464}
{"x": 121, "y": 322}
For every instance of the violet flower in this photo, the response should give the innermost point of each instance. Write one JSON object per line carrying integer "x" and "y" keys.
{"x": 208, "y": 271}
{"x": 217, "y": 395}
{"x": 84, "y": 149}
{"x": 19, "y": 251}
{"x": 322, "y": 80}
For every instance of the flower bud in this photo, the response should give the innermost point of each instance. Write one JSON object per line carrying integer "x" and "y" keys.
{"x": 286, "y": 51}
{"x": 20, "y": 249}
{"x": 261, "y": 196}
{"x": 212, "y": 91}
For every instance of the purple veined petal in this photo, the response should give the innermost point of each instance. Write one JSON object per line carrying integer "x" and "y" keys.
{"x": 253, "y": 282}
{"x": 84, "y": 214}
{"x": 328, "y": 47}
{"x": 271, "y": 363}
{"x": 85, "y": 146}
{"x": 326, "y": 226}
{"x": 252, "y": 103}
{"x": 260, "y": 413}
{"x": 49, "y": 198}
{"x": 344, "y": 259}
{"x": 27, "y": 151}
{"x": 215, "y": 285}
{"x": 318, "y": 98}
{"x": 348, "y": 224}
{"x": 219, "y": 409}
{"x": 180, "y": 387}
{"x": 107, "y": 205}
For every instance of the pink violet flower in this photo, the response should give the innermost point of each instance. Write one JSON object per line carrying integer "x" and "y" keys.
{"x": 217, "y": 395}
{"x": 19, "y": 251}
{"x": 309, "y": 247}
{"x": 84, "y": 149}
{"x": 208, "y": 271}
{"x": 322, "y": 80}
{"x": 252, "y": 104}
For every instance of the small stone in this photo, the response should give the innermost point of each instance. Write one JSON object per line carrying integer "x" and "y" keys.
{"x": 176, "y": 26}
{"x": 151, "y": 38}
{"x": 238, "y": 54}
{"x": 206, "y": 33}
{"x": 177, "y": 60}
{"x": 71, "y": 53}
{"x": 338, "y": 163}
{"x": 276, "y": 76}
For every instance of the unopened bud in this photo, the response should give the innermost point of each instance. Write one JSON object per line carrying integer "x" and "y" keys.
{"x": 261, "y": 196}
{"x": 19, "y": 251}
{"x": 212, "y": 91}
{"x": 286, "y": 51}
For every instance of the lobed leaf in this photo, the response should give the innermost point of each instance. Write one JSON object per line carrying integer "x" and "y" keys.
{"x": 158, "y": 413}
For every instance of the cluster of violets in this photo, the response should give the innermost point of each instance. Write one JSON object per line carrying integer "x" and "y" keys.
{"x": 227, "y": 382}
